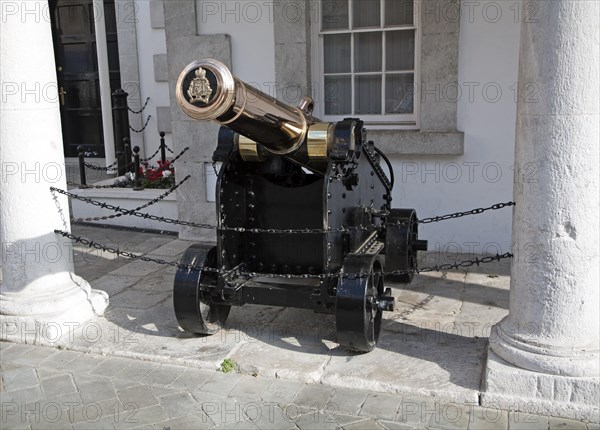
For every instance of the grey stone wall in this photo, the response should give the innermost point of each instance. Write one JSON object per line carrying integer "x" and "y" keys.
{"x": 292, "y": 51}
{"x": 439, "y": 65}
{"x": 184, "y": 45}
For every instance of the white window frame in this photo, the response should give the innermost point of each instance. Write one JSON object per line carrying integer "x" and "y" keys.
{"x": 383, "y": 121}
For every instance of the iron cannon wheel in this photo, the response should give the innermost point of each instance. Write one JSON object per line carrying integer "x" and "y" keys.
{"x": 401, "y": 239}
{"x": 358, "y": 310}
{"x": 194, "y": 309}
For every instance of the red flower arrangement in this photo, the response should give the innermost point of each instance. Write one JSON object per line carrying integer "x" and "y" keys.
{"x": 162, "y": 176}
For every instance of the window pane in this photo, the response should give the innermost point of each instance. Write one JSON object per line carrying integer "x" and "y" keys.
{"x": 338, "y": 95}
{"x": 334, "y": 14}
{"x": 399, "y": 97}
{"x": 337, "y": 53}
{"x": 77, "y": 58}
{"x": 367, "y": 52}
{"x": 368, "y": 95}
{"x": 74, "y": 19}
{"x": 400, "y": 50}
{"x": 398, "y": 12}
{"x": 366, "y": 13}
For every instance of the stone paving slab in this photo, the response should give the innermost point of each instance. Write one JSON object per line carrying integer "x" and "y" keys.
{"x": 420, "y": 341}
{"x": 79, "y": 398}
{"x": 431, "y": 349}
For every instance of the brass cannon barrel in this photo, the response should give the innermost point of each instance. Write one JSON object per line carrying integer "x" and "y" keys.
{"x": 207, "y": 90}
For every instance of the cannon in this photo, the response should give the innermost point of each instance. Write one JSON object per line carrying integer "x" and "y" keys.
{"x": 304, "y": 216}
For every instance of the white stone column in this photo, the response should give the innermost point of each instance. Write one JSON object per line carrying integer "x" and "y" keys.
{"x": 40, "y": 296}
{"x": 104, "y": 81}
{"x": 547, "y": 349}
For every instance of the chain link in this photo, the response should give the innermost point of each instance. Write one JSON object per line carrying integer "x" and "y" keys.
{"x": 113, "y": 165}
{"x": 142, "y": 109}
{"x": 143, "y": 128}
{"x": 95, "y": 167}
{"x": 143, "y": 160}
{"x": 74, "y": 184}
{"x": 120, "y": 211}
{"x": 343, "y": 229}
{"x": 91, "y": 244}
{"x": 168, "y": 149}
{"x": 186, "y": 149}
{"x": 465, "y": 213}
{"x": 437, "y": 268}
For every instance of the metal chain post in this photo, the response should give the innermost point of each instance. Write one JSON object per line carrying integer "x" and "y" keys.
{"x": 163, "y": 155}
{"x": 82, "y": 178}
{"x": 137, "y": 183}
{"x": 128, "y": 154}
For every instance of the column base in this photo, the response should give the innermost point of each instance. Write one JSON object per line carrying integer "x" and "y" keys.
{"x": 50, "y": 318}
{"x": 534, "y": 356}
{"x": 506, "y": 386}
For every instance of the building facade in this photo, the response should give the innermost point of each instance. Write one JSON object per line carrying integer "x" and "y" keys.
{"x": 444, "y": 77}
{"x": 439, "y": 83}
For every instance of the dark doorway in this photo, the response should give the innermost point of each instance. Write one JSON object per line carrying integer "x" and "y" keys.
{"x": 77, "y": 72}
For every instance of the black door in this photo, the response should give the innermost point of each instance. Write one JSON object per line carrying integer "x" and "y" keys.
{"x": 77, "y": 72}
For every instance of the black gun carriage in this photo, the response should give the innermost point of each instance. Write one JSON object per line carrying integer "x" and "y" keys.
{"x": 304, "y": 216}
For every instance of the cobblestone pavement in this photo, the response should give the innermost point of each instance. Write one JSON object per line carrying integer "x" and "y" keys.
{"x": 134, "y": 367}
{"x": 51, "y": 388}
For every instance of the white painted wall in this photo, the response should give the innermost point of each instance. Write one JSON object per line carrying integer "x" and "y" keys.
{"x": 250, "y": 25}
{"x": 150, "y": 42}
{"x": 488, "y": 60}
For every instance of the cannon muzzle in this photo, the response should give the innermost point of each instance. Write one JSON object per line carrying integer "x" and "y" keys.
{"x": 207, "y": 90}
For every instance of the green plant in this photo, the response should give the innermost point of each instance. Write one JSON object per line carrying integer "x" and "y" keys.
{"x": 228, "y": 365}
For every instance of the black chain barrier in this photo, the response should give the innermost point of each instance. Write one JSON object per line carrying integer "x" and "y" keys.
{"x": 342, "y": 229}
{"x": 169, "y": 149}
{"x": 143, "y": 128}
{"x": 142, "y": 109}
{"x": 172, "y": 161}
{"x": 143, "y": 160}
{"x": 186, "y": 149}
{"x": 437, "y": 268}
{"x": 465, "y": 213}
{"x": 75, "y": 184}
{"x": 96, "y": 167}
{"x": 113, "y": 165}
{"x": 120, "y": 211}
